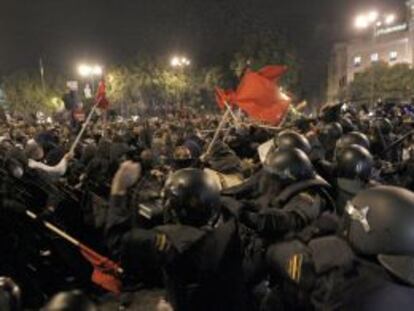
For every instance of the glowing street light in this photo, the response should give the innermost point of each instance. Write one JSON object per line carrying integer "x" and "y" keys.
{"x": 361, "y": 22}
{"x": 97, "y": 70}
{"x": 89, "y": 72}
{"x": 372, "y": 16}
{"x": 373, "y": 19}
{"x": 86, "y": 70}
{"x": 177, "y": 61}
{"x": 389, "y": 19}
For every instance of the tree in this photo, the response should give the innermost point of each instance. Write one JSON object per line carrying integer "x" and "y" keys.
{"x": 144, "y": 84}
{"x": 266, "y": 47}
{"x": 25, "y": 94}
{"x": 381, "y": 81}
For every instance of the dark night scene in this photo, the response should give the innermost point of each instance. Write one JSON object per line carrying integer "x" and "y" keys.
{"x": 206, "y": 155}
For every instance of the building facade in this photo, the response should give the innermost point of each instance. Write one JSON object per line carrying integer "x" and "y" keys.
{"x": 393, "y": 45}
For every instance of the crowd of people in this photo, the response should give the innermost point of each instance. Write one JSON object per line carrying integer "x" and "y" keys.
{"x": 317, "y": 214}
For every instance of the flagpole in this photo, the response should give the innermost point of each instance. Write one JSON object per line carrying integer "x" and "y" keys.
{"x": 42, "y": 74}
{"x": 236, "y": 120}
{"x": 217, "y": 133}
{"x": 84, "y": 125}
{"x": 67, "y": 237}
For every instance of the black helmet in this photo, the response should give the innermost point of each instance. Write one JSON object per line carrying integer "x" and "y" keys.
{"x": 289, "y": 165}
{"x": 290, "y": 139}
{"x": 70, "y": 301}
{"x": 332, "y": 131}
{"x": 380, "y": 223}
{"x": 303, "y": 124}
{"x": 355, "y": 162}
{"x": 331, "y": 112}
{"x": 16, "y": 162}
{"x": 192, "y": 197}
{"x": 10, "y": 295}
{"x": 384, "y": 125}
{"x": 347, "y": 125}
{"x": 353, "y": 138}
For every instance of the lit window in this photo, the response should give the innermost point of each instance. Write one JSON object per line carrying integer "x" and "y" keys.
{"x": 393, "y": 56}
{"x": 357, "y": 61}
{"x": 374, "y": 57}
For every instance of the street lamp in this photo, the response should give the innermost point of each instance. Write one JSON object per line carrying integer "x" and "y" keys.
{"x": 361, "y": 22}
{"x": 178, "y": 61}
{"x": 88, "y": 71}
{"x": 372, "y": 16}
{"x": 389, "y": 19}
{"x": 374, "y": 20}
{"x": 97, "y": 70}
{"x": 85, "y": 70}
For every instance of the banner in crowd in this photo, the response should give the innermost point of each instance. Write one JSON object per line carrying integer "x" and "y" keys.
{"x": 258, "y": 95}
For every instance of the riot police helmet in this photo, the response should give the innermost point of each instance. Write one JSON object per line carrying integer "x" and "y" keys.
{"x": 355, "y": 162}
{"x": 192, "y": 197}
{"x": 289, "y": 139}
{"x": 379, "y": 222}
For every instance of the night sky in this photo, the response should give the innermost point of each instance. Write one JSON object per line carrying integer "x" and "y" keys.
{"x": 65, "y": 32}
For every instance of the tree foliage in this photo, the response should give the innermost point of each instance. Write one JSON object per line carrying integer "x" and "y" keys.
{"x": 382, "y": 81}
{"x": 144, "y": 83}
{"x": 265, "y": 48}
{"x": 25, "y": 93}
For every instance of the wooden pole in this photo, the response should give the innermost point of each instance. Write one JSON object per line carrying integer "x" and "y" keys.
{"x": 84, "y": 125}
{"x": 217, "y": 133}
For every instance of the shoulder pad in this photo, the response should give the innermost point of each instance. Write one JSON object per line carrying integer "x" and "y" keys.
{"x": 301, "y": 186}
{"x": 180, "y": 236}
{"x": 287, "y": 258}
{"x": 323, "y": 257}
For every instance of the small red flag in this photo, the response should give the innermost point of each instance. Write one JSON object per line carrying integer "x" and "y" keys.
{"x": 259, "y": 96}
{"x": 100, "y": 99}
{"x": 105, "y": 271}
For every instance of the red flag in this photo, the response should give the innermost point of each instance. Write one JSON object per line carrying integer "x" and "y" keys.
{"x": 105, "y": 271}
{"x": 223, "y": 97}
{"x": 273, "y": 72}
{"x": 259, "y": 96}
{"x": 100, "y": 99}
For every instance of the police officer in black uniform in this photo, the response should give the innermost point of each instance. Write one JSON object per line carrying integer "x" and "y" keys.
{"x": 289, "y": 139}
{"x": 368, "y": 266}
{"x": 327, "y": 169}
{"x": 198, "y": 248}
{"x": 70, "y": 301}
{"x": 285, "y": 140}
{"x": 328, "y": 136}
{"x": 352, "y": 138}
{"x": 292, "y": 195}
{"x": 10, "y": 295}
{"x": 382, "y": 136}
{"x": 293, "y": 198}
{"x": 354, "y": 167}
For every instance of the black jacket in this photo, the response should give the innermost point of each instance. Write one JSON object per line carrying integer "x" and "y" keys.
{"x": 202, "y": 266}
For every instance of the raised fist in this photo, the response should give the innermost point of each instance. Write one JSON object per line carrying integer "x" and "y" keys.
{"x": 127, "y": 175}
